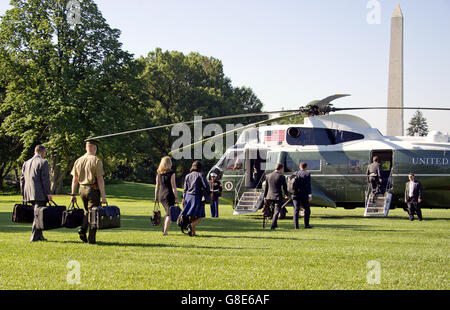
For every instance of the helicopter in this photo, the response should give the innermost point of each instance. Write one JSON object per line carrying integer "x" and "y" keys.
{"x": 337, "y": 149}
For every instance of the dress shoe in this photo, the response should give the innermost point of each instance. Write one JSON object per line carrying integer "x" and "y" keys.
{"x": 83, "y": 237}
{"x": 308, "y": 226}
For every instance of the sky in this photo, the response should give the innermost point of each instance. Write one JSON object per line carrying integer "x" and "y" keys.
{"x": 291, "y": 52}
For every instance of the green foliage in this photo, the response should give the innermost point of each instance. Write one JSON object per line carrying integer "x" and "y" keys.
{"x": 297, "y": 119}
{"x": 180, "y": 87}
{"x": 418, "y": 125}
{"x": 64, "y": 83}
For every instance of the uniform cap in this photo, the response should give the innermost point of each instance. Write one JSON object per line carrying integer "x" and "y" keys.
{"x": 93, "y": 141}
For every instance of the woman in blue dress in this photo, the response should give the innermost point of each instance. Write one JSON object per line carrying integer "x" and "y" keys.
{"x": 196, "y": 187}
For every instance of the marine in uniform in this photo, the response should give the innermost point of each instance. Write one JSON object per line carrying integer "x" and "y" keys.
{"x": 88, "y": 173}
{"x": 374, "y": 177}
{"x": 216, "y": 192}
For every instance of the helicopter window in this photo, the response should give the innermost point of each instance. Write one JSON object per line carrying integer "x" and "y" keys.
{"x": 320, "y": 136}
{"x": 291, "y": 165}
{"x": 313, "y": 165}
{"x": 386, "y": 166}
{"x": 234, "y": 161}
{"x": 354, "y": 166}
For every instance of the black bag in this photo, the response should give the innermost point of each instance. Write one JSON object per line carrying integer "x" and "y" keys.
{"x": 267, "y": 211}
{"x": 282, "y": 214}
{"x": 104, "y": 217}
{"x": 183, "y": 222}
{"x": 293, "y": 184}
{"x": 174, "y": 213}
{"x": 23, "y": 213}
{"x": 73, "y": 217}
{"x": 50, "y": 217}
{"x": 156, "y": 218}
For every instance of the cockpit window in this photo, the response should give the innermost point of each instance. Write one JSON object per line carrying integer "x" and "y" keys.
{"x": 320, "y": 136}
{"x": 233, "y": 161}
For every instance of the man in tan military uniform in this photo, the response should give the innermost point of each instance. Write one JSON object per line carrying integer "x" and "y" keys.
{"x": 88, "y": 173}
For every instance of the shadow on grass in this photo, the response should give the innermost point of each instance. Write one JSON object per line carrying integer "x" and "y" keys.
{"x": 389, "y": 217}
{"x": 143, "y": 223}
{"x": 159, "y": 245}
{"x": 246, "y": 224}
{"x": 135, "y": 191}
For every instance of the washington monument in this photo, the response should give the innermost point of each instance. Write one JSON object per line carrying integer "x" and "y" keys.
{"x": 395, "y": 88}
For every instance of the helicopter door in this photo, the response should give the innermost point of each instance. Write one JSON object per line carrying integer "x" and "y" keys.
{"x": 254, "y": 167}
{"x": 385, "y": 159}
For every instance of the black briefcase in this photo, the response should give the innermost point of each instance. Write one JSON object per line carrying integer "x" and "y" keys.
{"x": 104, "y": 217}
{"x": 73, "y": 217}
{"x": 23, "y": 213}
{"x": 50, "y": 217}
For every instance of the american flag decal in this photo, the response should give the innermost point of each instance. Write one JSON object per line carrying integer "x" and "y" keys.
{"x": 275, "y": 136}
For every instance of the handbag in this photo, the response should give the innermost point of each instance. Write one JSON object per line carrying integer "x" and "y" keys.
{"x": 174, "y": 213}
{"x": 73, "y": 217}
{"x": 156, "y": 218}
{"x": 183, "y": 222}
{"x": 104, "y": 217}
{"x": 23, "y": 213}
{"x": 49, "y": 217}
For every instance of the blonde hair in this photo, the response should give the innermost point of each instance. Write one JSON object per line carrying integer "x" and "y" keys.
{"x": 165, "y": 165}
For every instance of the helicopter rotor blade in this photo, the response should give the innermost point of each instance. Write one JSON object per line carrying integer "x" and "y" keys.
{"x": 234, "y": 130}
{"x": 328, "y": 99}
{"x": 218, "y": 118}
{"x": 387, "y": 108}
{"x": 322, "y": 102}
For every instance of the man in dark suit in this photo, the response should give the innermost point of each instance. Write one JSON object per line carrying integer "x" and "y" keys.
{"x": 374, "y": 177}
{"x": 273, "y": 193}
{"x": 413, "y": 197}
{"x": 35, "y": 186}
{"x": 302, "y": 195}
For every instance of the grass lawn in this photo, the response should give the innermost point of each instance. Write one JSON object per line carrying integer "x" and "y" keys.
{"x": 232, "y": 252}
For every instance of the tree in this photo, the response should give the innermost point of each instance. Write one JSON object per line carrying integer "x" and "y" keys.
{"x": 418, "y": 125}
{"x": 296, "y": 119}
{"x": 182, "y": 86}
{"x": 11, "y": 147}
{"x": 65, "y": 82}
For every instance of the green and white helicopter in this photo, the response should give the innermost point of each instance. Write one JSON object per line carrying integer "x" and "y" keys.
{"x": 337, "y": 148}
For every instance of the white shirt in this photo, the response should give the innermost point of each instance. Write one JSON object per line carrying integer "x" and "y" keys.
{"x": 411, "y": 188}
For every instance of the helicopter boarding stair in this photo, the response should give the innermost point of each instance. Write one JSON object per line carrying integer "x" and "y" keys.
{"x": 380, "y": 206}
{"x": 250, "y": 201}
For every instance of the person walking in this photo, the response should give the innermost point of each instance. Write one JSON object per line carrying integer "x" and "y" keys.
{"x": 35, "y": 186}
{"x": 413, "y": 197}
{"x": 88, "y": 173}
{"x": 166, "y": 189}
{"x": 374, "y": 177}
{"x": 273, "y": 192}
{"x": 302, "y": 195}
{"x": 195, "y": 188}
